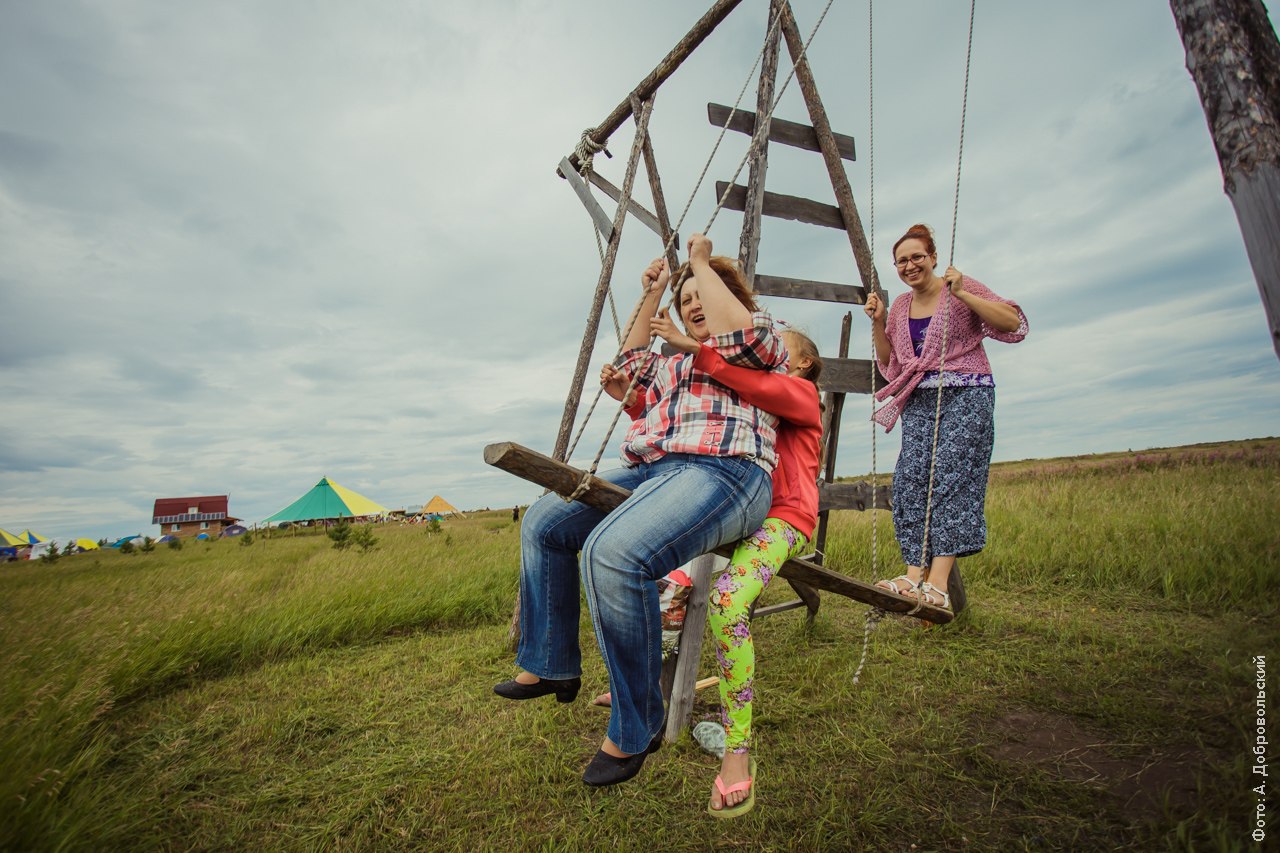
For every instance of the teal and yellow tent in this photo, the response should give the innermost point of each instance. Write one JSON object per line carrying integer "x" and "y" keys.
{"x": 8, "y": 539}
{"x": 31, "y": 538}
{"x": 327, "y": 500}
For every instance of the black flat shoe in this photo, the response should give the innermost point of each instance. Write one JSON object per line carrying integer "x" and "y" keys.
{"x": 605, "y": 769}
{"x": 566, "y": 690}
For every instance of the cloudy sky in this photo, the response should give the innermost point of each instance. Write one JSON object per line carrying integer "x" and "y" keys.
{"x": 246, "y": 245}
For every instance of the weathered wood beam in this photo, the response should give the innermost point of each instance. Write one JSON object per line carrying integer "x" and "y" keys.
{"x": 600, "y": 133}
{"x": 611, "y": 190}
{"x": 850, "y": 220}
{"x": 848, "y": 376}
{"x": 778, "y": 608}
{"x": 780, "y": 130}
{"x": 856, "y": 496}
{"x": 799, "y": 288}
{"x": 605, "y": 496}
{"x": 602, "y": 288}
{"x": 601, "y": 219}
{"x": 660, "y": 205}
{"x": 783, "y": 206}
{"x": 749, "y": 242}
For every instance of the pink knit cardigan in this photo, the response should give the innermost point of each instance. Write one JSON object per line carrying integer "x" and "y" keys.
{"x": 965, "y": 332}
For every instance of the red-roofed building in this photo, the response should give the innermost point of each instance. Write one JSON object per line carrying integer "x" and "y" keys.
{"x": 187, "y": 517}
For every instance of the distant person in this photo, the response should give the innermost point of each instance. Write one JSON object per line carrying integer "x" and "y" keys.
{"x": 698, "y": 468}
{"x": 515, "y": 513}
{"x": 909, "y": 348}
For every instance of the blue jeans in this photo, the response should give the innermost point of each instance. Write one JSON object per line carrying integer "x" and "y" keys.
{"x": 681, "y": 507}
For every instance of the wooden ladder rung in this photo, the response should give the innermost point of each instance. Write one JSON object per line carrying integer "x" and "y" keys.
{"x": 849, "y": 376}
{"x": 781, "y": 206}
{"x": 780, "y": 130}
{"x": 801, "y": 288}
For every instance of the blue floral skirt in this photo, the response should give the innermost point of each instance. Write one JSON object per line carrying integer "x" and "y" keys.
{"x": 966, "y": 432}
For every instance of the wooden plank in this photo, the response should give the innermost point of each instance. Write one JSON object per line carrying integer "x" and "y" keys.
{"x": 799, "y": 288}
{"x": 848, "y": 376}
{"x": 783, "y": 206}
{"x": 602, "y": 289}
{"x": 850, "y": 220}
{"x": 605, "y": 496}
{"x": 684, "y": 688}
{"x": 600, "y": 133}
{"x": 669, "y": 237}
{"x": 854, "y": 496}
{"x": 635, "y": 209}
{"x": 749, "y": 241}
{"x": 778, "y": 608}
{"x": 780, "y": 130}
{"x": 601, "y": 219}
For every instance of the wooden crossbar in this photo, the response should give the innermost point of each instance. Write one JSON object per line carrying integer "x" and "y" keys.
{"x": 605, "y": 496}
{"x": 780, "y": 130}
{"x": 782, "y": 206}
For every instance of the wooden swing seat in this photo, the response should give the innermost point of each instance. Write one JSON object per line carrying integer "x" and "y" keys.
{"x": 605, "y": 496}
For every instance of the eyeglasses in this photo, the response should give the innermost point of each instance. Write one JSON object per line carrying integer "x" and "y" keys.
{"x": 916, "y": 259}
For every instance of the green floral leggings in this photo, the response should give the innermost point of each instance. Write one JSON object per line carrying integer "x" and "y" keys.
{"x": 754, "y": 563}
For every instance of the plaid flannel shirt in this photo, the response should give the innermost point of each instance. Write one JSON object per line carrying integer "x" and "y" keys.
{"x": 686, "y": 411}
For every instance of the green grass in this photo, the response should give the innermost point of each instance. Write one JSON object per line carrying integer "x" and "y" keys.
{"x": 285, "y": 695}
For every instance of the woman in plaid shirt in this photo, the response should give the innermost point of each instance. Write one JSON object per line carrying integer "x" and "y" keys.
{"x": 698, "y": 464}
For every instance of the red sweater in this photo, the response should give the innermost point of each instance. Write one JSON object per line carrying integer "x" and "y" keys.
{"x": 795, "y": 402}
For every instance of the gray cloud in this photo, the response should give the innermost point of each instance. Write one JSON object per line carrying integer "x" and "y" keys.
{"x": 243, "y": 246}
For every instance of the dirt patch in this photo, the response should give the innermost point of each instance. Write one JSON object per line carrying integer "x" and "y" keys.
{"x": 1140, "y": 777}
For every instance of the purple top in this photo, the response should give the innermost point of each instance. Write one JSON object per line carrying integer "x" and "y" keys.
{"x": 919, "y": 327}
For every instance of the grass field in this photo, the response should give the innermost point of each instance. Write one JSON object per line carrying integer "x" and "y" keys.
{"x": 1099, "y": 693}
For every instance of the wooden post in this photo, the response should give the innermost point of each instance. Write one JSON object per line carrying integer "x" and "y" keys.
{"x": 830, "y": 151}
{"x": 602, "y": 288}
{"x": 684, "y": 687}
{"x": 1234, "y": 59}
{"x": 600, "y": 133}
{"x": 749, "y": 245}
{"x": 669, "y": 246}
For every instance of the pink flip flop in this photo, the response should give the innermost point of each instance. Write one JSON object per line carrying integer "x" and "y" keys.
{"x": 742, "y": 807}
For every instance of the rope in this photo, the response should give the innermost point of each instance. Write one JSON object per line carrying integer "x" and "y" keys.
{"x": 587, "y": 148}
{"x": 964, "y": 108}
{"x": 874, "y": 615}
{"x": 946, "y": 316}
{"x": 586, "y": 143}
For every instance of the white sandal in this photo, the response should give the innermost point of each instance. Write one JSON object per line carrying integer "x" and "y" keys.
{"x": 911, "y": 590}
{"x": 928, "y": 591}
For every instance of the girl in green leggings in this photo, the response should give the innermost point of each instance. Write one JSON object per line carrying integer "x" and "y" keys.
{"x": 793, "y": 397}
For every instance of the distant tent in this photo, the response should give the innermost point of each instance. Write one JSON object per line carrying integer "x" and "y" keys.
{"x": 202, "y": 536}
{"x": 86, "y": 545}
{"x": 168, "y": 537}
{"x": 31, "y": 538}
{"x": 234, "y": 530}
{"x": 137, "y": 537}
{"x": 439, "y": 506}
{"x": 327, "y": 500}
{"x": 7, "y": 538}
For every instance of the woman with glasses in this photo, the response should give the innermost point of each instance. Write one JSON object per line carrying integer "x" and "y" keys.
{"x": 910, "y": 349}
